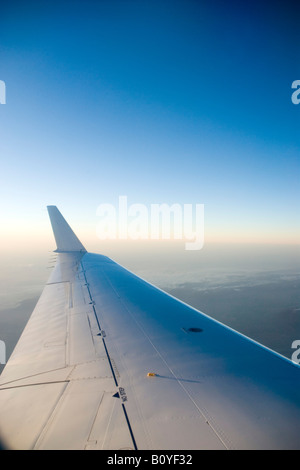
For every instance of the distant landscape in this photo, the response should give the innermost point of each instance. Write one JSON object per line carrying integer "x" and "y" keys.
{"x": 265, "y": 307}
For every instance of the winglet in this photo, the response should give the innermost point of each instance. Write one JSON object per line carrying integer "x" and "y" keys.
{"x": 65, "y": 238}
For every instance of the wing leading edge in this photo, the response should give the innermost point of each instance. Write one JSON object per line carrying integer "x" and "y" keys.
{"x": 108, "y": 361}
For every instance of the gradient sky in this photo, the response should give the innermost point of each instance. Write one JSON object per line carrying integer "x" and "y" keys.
{"x": 162, "y": 101}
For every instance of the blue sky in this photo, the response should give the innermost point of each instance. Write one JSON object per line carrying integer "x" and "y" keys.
{"x": 165, "y": 102}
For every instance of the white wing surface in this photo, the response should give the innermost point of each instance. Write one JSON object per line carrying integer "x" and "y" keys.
{"x": 108, "y": 361}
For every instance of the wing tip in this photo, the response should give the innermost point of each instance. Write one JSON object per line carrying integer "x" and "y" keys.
{"x": 66, "y": 240}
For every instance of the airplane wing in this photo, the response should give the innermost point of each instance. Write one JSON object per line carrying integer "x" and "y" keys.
{"x": 108, "y": 361}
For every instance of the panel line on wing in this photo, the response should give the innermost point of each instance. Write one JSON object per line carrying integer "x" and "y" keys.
{"x": 109, "y": 359}
{"x": 34, "y": 384}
